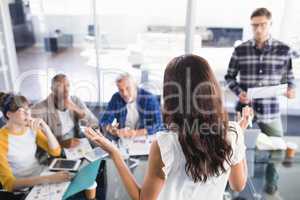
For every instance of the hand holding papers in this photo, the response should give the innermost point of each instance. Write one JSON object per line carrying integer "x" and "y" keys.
{"x": 266, "y": 92}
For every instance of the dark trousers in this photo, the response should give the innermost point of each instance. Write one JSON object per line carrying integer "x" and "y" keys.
{"x": 11, "y": 196}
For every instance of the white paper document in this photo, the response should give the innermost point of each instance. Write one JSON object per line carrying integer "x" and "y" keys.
{"x": 265, "y": 142}
{"x": 96, "y": 154}
{"x": 140, "y": 145}
{"x": 266, "y": 92}
{"x": 78, "y": 151}
{"x": 48, "y": 191}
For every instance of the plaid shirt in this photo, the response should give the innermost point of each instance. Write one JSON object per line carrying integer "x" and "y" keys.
{"x": 148, "y": 108}
{"x": 271, "y": 65}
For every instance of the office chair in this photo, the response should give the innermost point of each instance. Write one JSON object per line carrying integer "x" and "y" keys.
{"x": 2, "y": 122}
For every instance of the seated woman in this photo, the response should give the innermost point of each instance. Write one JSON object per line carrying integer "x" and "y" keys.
{"x": 201, "y": 150}
{"x": 19, "y": 138}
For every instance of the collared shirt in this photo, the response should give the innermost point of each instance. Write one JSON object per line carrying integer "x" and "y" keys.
{"x": 268, "y": 66}
{"x": 148, "y": 108}
{"x": 48, "y": 112}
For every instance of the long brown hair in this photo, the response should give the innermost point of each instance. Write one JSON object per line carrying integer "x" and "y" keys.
{"x": 193, "y": 102}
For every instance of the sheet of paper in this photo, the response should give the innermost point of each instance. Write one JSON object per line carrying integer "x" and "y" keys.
{"x": 79, "y": 151}
{"x": 114, "y": 123}
{"x": 266, "y": 92}
{"x": 48, "y": 191}
{"x": 265, "y": 142}
{"x": 95, "y": 154}
{"x": 140, "y": 145}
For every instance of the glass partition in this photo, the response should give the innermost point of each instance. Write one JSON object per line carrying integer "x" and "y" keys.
{"x": 92, "y": 41}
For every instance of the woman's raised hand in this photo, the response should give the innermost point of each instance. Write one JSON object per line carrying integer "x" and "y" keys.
{"x": 100, "y": 140}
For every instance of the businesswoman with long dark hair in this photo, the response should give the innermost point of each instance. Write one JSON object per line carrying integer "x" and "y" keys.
{"x": 200, "y": 151}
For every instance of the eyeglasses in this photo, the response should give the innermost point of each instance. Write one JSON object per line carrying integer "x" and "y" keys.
{"x": 24, "y": 110}
{"x": 262, "y": 25}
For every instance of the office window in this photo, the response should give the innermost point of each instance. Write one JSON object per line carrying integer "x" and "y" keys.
{"x": 136, "y": 36}
{"x": 51, "y": 37}
{"x": 139, "y": 37}
{"x": 3, "y": 64}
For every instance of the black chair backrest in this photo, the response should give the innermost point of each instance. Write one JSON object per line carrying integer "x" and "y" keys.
{"x": 1, "y": 122}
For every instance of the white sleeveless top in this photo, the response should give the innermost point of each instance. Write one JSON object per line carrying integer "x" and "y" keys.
{"x": 178, "y": 185}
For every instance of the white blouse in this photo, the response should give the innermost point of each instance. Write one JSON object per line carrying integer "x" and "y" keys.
{"x": 178, "y": 185}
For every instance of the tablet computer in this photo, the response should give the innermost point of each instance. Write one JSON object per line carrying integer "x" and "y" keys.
{"x": 96, "y": 154}
{"x": 61, "y": 164}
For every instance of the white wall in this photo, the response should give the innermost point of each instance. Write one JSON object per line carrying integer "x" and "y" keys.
{"x": 236, "y": 13}
{"x": 121, "y": 20}
{"x": 290, "y": 29}
{"x": 10, "y": 69}
{"x": 119, "y": 29}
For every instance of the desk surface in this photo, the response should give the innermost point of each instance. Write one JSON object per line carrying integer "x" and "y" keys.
{"x": 287, "y": 174}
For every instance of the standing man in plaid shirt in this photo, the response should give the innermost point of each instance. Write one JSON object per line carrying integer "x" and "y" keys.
{"x": 261, "y": 61}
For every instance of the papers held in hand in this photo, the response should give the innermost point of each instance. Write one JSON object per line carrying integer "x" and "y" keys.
{"x": 266, "y": 92}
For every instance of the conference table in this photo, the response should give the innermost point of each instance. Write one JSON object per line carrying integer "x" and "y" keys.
{"x": 267, "y": 170}
{"x": 267, "y": 165}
